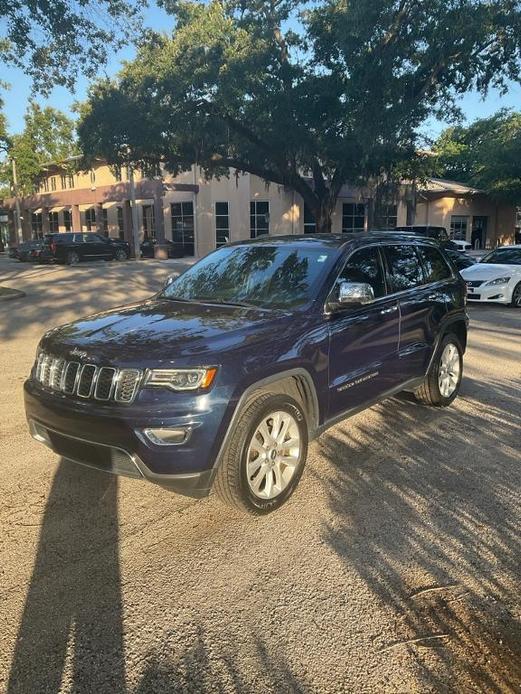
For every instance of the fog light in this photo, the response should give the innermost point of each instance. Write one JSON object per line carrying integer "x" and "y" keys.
{"x": 167, "y": 437}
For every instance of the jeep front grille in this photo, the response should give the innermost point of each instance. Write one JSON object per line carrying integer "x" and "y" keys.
{"x": 87, "y": 380}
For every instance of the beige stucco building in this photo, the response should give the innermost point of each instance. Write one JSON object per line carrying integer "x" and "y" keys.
{"x": 200, "y": 214}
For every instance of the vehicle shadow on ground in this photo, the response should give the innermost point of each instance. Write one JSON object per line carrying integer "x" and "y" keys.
{"x": 434, "y": 532}
{"x": 73, "y": 613}
{"x": 71, "y": 635}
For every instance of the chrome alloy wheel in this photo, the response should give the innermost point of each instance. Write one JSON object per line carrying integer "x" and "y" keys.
{"x": 273, "y": 455}
{"x": 449, "y": 370}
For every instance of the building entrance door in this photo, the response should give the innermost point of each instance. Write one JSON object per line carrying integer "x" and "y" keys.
{"x": 478, "y": 238}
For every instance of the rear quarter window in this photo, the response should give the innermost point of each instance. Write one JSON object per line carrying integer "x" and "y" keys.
{"x": 434, "y": 264}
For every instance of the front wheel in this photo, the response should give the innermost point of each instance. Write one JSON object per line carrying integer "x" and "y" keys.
{"x": 121, "y": 255}
{"x": 265, "y": 456}
{"x": 72, "y": 258}
{"x": 516, "y": 296}
{"x": 442, "y": 383}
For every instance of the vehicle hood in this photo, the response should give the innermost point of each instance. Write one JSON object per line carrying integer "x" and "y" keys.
{"x": 162, "y": 331}
{"x": 490, "y": 271}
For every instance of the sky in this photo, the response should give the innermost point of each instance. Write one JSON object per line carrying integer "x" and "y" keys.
{"x": 16, "y": 98}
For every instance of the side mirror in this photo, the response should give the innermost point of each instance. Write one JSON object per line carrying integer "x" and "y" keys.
{"x": 353, "y": 294}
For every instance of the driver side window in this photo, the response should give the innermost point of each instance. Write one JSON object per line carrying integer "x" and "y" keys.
{"x": 364, "y": 266}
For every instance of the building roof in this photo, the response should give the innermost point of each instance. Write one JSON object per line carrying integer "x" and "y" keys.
{"x": 442, "y": 185}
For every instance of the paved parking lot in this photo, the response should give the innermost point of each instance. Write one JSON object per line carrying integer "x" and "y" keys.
{"x": 396, "y": 567}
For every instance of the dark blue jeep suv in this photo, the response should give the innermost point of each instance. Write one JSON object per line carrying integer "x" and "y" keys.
{"x": 224, "y": 376}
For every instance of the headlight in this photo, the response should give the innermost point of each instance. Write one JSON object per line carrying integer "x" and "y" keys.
{"x": 500, "y": 280}
{"x": 181, "y": 379}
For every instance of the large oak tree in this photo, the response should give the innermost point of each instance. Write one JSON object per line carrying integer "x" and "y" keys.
{"x": 311, "y": 96}
{"x": 485, "y": 154}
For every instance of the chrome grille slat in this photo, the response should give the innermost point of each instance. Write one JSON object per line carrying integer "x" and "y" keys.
{"x": 70, "y": 378}
{"x": 126, "y": 385}
{"x": 105, "y": 383}
{"x": 86, "y": 381}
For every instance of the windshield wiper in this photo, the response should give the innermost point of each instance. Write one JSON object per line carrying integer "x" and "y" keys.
{"x": 224, "y": 302}
{"x": 178, "y": 298}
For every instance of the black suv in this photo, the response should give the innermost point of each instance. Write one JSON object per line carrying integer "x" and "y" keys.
{"x": 224, "y": 376}
{"x": 428, "y": 231}
{"x": 71, "y": 247}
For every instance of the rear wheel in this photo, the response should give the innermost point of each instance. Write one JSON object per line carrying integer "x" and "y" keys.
{"x": 442, "y": 383}
{"x": 516, "y": 296}
{"x": 265, "y": 456}
{"x": 72, "y": 258}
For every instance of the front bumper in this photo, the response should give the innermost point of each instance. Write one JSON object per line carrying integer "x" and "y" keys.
{"x": 499, "y": 294}
{"x": 111, "y": 439}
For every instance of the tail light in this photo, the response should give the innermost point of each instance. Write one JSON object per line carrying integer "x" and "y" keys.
{"x": 53, "y": 246}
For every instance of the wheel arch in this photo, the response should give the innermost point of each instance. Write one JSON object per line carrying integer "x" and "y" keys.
{"x": 297, "y": 382}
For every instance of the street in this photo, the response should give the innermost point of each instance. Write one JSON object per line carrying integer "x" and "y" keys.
{"x": 395, "y": 567}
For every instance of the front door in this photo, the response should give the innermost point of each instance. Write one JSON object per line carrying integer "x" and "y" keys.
{"x": 478, "y": 237}
{"x": 363, "y": 342}
{"x": 96, "y": 247}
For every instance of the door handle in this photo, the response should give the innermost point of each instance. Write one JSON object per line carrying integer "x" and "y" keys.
{"x": 392, "y": 309}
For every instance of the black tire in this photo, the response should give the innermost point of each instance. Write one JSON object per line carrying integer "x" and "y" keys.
{"x": 72, "y": 258}
{"x": 516, "y": 296}
{"x": 120, "y": 255}
{"x": 231, "y": 482}
{"x": 429, "y": 392}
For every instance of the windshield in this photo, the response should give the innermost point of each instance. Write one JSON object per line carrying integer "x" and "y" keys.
{"x": 504, "y": 256}
{"x": 259, "y": 275}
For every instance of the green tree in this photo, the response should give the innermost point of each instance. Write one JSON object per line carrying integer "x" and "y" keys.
{"x": 485, "y": 155}
{"x": 309, "y": 96}
{"x": 48, "y": 135}
{"x": 54, "y": 40}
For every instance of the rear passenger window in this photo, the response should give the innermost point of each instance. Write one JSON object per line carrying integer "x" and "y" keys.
{"x": 404, "y": 267}
{"x": 364, "y": 266}
{"x": 434, "y": 264}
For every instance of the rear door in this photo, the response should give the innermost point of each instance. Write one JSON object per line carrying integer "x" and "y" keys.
{"x": 411, "y": 273}
{"x": 95, "y": 248}
{"x": 363, "y": 340}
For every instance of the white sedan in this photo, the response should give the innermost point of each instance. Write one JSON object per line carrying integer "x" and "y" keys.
{"x": 462, "y": 245}
{"x": 496, "y": 278}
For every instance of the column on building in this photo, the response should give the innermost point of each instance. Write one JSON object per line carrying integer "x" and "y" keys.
{"x": 127, "y": 226}
{"x": 45, "y": 221}
{"x": 98, "y": 207}
{"x": 76, "y": 218}
{"x": 159, "y": 215}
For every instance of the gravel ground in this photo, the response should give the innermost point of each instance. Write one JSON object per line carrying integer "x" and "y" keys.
{"x": 395, "y": 568}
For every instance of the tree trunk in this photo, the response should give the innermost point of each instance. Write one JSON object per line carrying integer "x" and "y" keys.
{"x": 323, "y": 220}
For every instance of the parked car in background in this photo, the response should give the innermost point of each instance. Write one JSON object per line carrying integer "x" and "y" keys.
{"x": 439, "y": 234}
{"x": 73, "y": 247}
{"x": 460, "y": 260}
{"x": 223, "y": 377}
{"x": 28, "y": 251}
{"x": 496, "y": 277}
{"x": 12, "y": 252}
{"x": 462, "y": 245}
{"x": 147, "y": 248}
